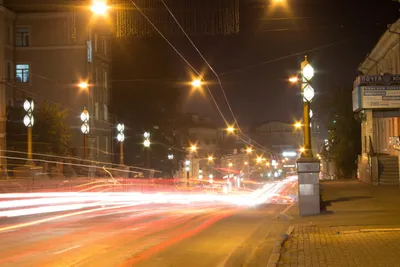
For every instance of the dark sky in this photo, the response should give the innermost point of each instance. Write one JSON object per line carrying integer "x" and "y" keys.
{"x": 347, "y": 31}
{"x": 341, "y": 32}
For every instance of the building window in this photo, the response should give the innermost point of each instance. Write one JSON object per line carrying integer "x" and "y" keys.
{"x": 105, "y": 47}
{"x": 96, "y": 110}
{"x": 105, "y": 112}
{"x": 89, "y": 51}
{"x": 106, "y": 145}
{"x": 22, "y": 73}
{"x": 97, "y": 145}
{"x": 95, "y": 43}
{"x": 22, "y": 36}
{"x": 105, "y": 86}
{"x": 8, "y": 71}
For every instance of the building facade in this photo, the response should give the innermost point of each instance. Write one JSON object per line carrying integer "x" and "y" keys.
{"x": 50, "y": 55}
{"x": 375, "y": 102}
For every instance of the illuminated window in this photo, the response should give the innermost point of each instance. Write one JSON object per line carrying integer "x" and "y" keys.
{"x": 22, "y": 73}
{"x": 22, "y": 36}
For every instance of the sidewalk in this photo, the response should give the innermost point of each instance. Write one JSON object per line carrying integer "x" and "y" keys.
{"x": 360, "y": 227}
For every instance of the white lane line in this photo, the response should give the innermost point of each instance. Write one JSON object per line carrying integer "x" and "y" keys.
{"x": 68, "y": 249}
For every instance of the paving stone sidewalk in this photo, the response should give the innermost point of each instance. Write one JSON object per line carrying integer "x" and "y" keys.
{"x": 315, "y": 246}
{"x": 361, "y": 227}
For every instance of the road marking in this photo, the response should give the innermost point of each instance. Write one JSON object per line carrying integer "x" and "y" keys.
{"x": 68, "y": 249}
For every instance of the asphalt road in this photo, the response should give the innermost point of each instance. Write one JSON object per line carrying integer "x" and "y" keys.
{"x": 144, "y": 235}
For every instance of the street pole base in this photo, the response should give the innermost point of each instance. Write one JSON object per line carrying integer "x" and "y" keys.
{"x": 308, "y": 169}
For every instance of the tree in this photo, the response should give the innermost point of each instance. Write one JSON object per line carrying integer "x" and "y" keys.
{"x": 50, "y": 131}
{"x": 343, "y": 131}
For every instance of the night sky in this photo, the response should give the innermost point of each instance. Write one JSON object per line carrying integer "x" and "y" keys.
{"x": 340, "y": 33}
{"x": 349, "y": 29}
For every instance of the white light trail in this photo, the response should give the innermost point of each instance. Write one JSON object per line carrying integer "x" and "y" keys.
{"x": 22, "y": 204}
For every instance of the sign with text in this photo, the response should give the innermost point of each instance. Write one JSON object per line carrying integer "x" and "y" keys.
{"x": 376, "y": 97}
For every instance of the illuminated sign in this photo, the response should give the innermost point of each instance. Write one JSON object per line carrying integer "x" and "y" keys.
{"x": 289, "y": 154}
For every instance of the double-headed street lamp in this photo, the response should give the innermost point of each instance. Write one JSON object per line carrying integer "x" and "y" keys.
{"x": 85, "y": 130}
{"x": 146, "y": 144}
{"x": 29, "y": 122}
{"x": 307, "y": 73}
{"x": 121, "y": 138}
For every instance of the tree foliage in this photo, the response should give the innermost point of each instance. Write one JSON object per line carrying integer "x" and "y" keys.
{"x": 50, "y": 133}
{"x": 343, "y": 131}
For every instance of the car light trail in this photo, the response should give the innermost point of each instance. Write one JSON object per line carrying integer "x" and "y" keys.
{"x": 22, "y": 204}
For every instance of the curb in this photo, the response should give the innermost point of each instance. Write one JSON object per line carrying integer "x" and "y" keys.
{"x": 369, "y": 230}
{"x": 276, "y": 251}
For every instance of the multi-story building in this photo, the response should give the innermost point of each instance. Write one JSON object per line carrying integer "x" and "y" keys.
{"x": 50, "y": 52}
{"x": 376, "y": 103}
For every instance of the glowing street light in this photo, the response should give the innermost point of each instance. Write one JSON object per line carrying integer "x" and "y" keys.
{"x": 196, "y": 83}
{"x": 249, "y": 150}
{"x": 307, "y": 71}
{"x": 259, "y": 159}
{"x": 230, "y": 129}
{"x": 297, "y": 125}
{"x": 170, "y": 156}
{"x": 210, "y": 158}
{"x": 193, "y": 148}
{"x": 294, "y": 79}
{"x": 308, "y": 93}
{"x": 83, "y": 85}
{"x": 230, "y": 164}
{"x": 99, "y": 7}
{"x": 146, "y": 143}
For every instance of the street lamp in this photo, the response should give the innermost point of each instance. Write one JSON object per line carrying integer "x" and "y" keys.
{"x": 147, "y": 143}
{"x": 307, "y": 72}
{"x": 230, "y": 129}
{"x": 29, "y": 122}
{"x": 170, "y": 156}
{"x": 83, "y": 85}
{"x": 121, "y": 138}
{"x": 99, "y": 7}
{"x": 294, "y": 79}
{"x": 230, "y": 164}
{"x": 259, "y": 159}
{"x": 85, "y": 130}
{"x": 297, "y": 125}
{"x": 193, "y": 148}
{"x": 210, "y": 158}
{"x": 196, "y": 83}
{"x": 249, "y": 150}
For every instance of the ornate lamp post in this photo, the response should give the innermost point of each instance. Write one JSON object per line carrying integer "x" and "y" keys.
{"x": 121, "y": 138}
{"x": 85, "y": 130}
{"x": 29, "y": 122}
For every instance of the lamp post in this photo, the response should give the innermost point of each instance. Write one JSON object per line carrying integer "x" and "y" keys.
{"x": 121, "y": 138}
{"x": 85, "y": 131}
{"x": 307, "y": 73}
{"x": 29, "y": 122}
{"x": 308, "y": 167}
{"x": 147, "y": 144}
